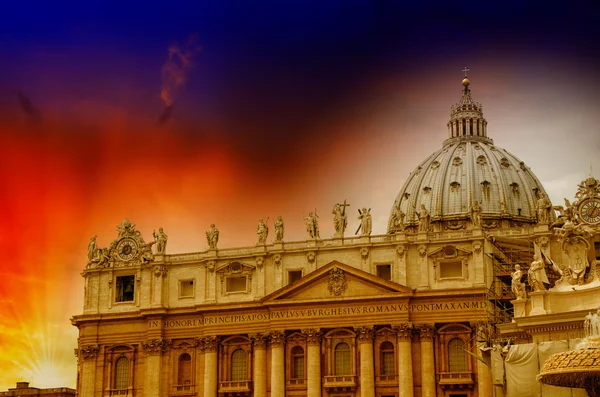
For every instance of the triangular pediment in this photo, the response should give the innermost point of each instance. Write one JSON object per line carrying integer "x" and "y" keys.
{"x": 337, "y": 281}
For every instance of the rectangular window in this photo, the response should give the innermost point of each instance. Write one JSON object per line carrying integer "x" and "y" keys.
{"x": 389, "y": 364}
{"x": 186, "y": 288}
{"x": 384, "y": 271}
{"x": 294, "y": 275}
{"x": 125, "y": 288}
{"x": 298, "y": 367}
{"x": 597, "y": 249}
{"x": 236, "y": 284}
{"x": 451, "y": 269}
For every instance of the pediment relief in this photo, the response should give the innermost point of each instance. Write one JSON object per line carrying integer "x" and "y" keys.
{"x": 449, "y": 252}
{"x": 337, "y": 280}
{"x": 235, "y": 268}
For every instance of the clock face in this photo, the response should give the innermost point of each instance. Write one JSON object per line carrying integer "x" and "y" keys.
{"x": 127, "y": 249}
{"x": 589, "y": 211}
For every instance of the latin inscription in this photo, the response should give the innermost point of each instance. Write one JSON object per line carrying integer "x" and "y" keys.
{"x": 313, "y": 313}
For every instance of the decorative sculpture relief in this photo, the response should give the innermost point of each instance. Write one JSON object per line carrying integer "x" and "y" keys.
{"x": 364, "y": 252}
{"x": 404, "y": 332}
{"x": 456, "y": 161}
{"x": 210, "y": 344}
{"x": 536, "y": 275}
{"x": 310, "y": 256}
{"x": 401, "y": 250}
{"x": 313, "y": 336}
{"x": 477, "y": 247}
{"x": 454, "y": 187}
{"x": 155, "y": 346}
{"x": 426, "y": 332}
{"x": 397, "y": 219}
{"x": 504, "y": 162}
{"x": 337, "y": 282}
{"x": 88, "y": 351}
{"x": 259, "y": 340}
{"x": 260, "y": 260}
{"x": 277, "y": 259}
{"x": 422, "y": 250}
{"x": 160, "y": 271}
{"x": 364, "y": 334}
{"x": 277, "y": 338}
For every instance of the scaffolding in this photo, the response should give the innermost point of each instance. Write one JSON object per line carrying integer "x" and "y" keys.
{"x": 506, "y": 253}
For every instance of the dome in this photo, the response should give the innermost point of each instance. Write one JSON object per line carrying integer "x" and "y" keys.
{"x": 468, "y": 172}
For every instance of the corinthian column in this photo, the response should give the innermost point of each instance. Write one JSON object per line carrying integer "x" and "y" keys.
{"x": 277, "y": 364}
{"x": 211, "y": 345}
{"x": 405, "y": 369}
{"x": 427, "y": 361}
{"x": 86, "y": 355}
{"x": 153, "y": 351}
{"x": 367, "y": 375}
{"x": 260, "y": 364}
{"x": 313, "y": 340}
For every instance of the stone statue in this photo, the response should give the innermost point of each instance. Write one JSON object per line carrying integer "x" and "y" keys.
{"x": 536, "y": 276}
{"x": 160, "y": 240}
{"x": 517, "y": 286}
{"x": 212, "y": 236}
{"x": 476, "y": 214}
{"x": 543, "y": 209}
{"x": 366, "y": 222}
{"x": 397, "y": 219}
{"x": 340, "y": 219}
{"x": 312, "y": 226}
{"x": 262, "y": 231}
{"x": 424, "y": 219}
{"x": 92, "y": 248}
{"x": 279, "y": 229}
{"x": 503, "y": 207}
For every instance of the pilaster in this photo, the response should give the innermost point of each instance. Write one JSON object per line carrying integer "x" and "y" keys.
{"x": 404, "y": 334}
{"x": 260, "y": 364}
{"x": 428, "y": 388}
{"x": 367, "y": 375}
{"x": 211, "y": 346}
{"x": 277, "y": 340}
{"x": 313, "y": 383}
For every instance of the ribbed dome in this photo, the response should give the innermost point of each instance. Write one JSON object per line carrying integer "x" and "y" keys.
{"x": 469, "y": 169}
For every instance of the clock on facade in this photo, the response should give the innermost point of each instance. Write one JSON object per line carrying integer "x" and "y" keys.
{"x": 589, "y": 211}
{"x": 127, "y": 249}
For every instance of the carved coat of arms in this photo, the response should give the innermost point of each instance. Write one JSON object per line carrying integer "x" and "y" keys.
{"x": 337, "y": 283}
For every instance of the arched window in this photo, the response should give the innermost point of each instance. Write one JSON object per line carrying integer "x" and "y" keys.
{"x": 238, "y": 365}
{"x": 388, "y": 365}
{"x": 122, "y": 373}
{"x": 184, "y": 370}
{"x": 297, "y": 363}
{"x": 343, "y": 361}
{"x": 457, "y": 357}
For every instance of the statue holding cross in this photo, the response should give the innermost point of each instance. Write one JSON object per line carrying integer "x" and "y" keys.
{"x": 340, "y": 219}
{"x": 366, "y": 222}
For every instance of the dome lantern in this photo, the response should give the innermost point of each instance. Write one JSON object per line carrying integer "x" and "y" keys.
{"x": 466, "y": 117}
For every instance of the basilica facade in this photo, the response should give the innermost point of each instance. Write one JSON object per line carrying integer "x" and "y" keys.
{"x": 414, "y": 312}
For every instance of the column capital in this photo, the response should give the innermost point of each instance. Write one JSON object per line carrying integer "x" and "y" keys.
{"x": 259, "y": 340}
{"x": 404, "y": 332}
{"x": 364, "y": 333}
{"x": 210, "y": 344}
{"x": 277, "y": 338}
{"x": 313, "y": 335}
{"x": 426, "y": 331}
{"x": 155, "y": 347}
{"x": 86, "y": 352}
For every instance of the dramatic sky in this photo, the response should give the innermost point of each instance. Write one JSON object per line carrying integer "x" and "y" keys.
{"x": 278, "y": 108}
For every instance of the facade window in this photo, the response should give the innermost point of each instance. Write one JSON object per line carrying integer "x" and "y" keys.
{"x": 388, "y": 364}
{"x": 122, "y": 373}
{"x": 297, "y": 363}
{"x": 236, "y": 284}
{"x": 384, "y": 271}
{"x": 238, "y": 365}
{"x": 125, "y": 288}
{"x": 343, "y": 360}
{"x": 457, "y": 359}
{"x": 451, "y": 269}
{"x": 184, "y": 370}
{"x": 186, "y": 288}
{"x": 294, "y": 275}
{"x": 597, "y": 249}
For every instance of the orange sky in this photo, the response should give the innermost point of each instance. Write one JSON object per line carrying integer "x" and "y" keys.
{"x": 90, "y": 163}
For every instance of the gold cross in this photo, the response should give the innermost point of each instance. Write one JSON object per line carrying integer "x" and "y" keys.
{"x": 466, "y": 70}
